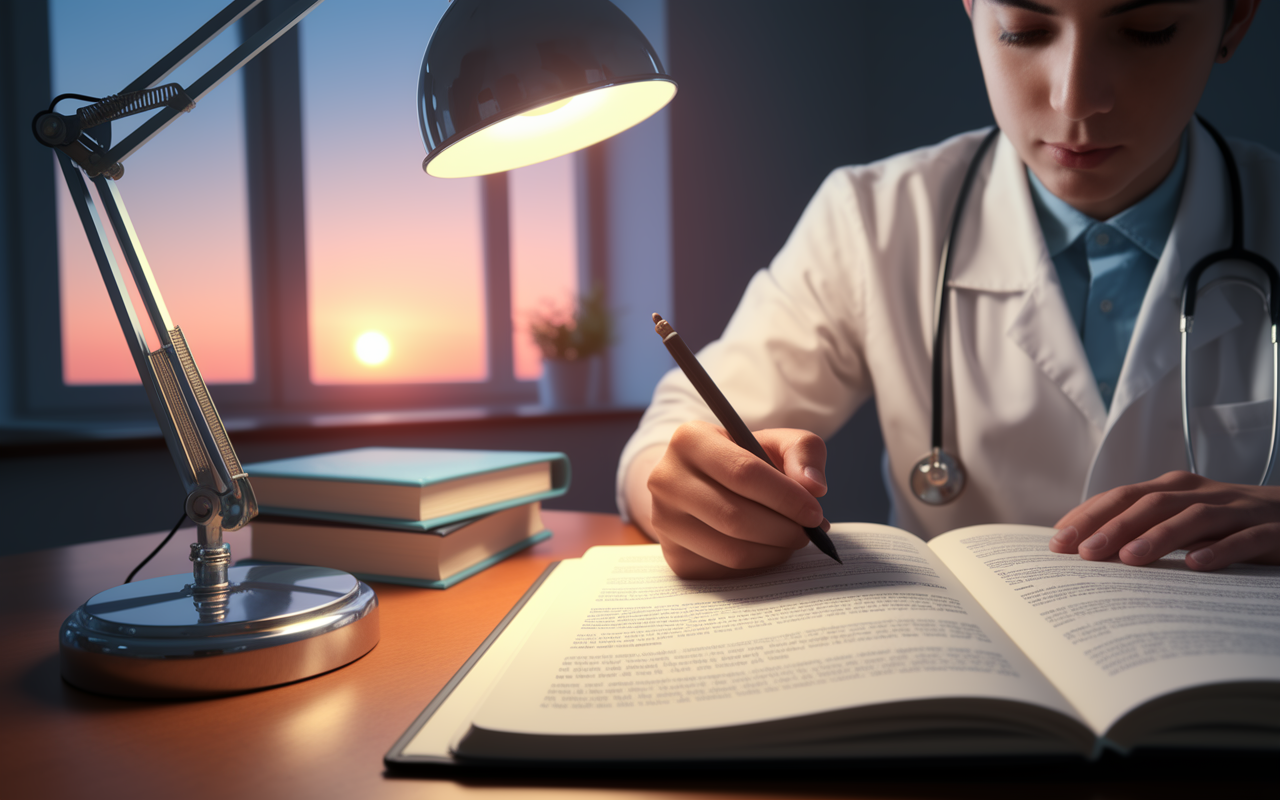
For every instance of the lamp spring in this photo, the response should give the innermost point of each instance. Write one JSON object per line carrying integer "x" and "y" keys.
{"x": 122, "y": 105}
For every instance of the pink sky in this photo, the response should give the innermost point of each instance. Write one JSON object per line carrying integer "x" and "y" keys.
{"x": 195, "y": 236}
{"x": 389, "y": 249}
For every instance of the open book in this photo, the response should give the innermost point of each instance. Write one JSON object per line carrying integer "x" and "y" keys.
{"x": 981, "y": 642}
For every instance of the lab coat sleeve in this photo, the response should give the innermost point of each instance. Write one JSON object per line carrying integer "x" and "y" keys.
{"x": 792, "y": 354}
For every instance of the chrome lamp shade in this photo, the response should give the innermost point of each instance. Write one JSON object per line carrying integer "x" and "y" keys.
{"x": 507, "y": 83}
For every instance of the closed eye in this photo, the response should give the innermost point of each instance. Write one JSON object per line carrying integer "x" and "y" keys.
{"x": 1022, "y": 38}
{"x": 1152, "y": 37}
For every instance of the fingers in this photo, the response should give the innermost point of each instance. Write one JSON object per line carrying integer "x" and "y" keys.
{"x": 1218, "y": 523}
{"x": 1093, "y": 514}
{"x": 681, "y": 499}
{"x": 1158, "y": 523}
{"x": 717, "y": 509}
{"x": 801, "y": 455}
{"x": 695, "y": 550}
{"x": 708, "y": 451}
{"x": 1259, "y": 544}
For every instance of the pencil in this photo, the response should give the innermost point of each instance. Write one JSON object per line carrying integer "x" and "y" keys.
{"x": 733, "y": 424}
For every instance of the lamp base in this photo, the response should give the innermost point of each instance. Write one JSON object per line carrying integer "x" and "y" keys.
{"x": 273, "y": 624}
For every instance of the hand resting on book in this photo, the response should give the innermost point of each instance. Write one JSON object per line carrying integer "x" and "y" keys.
{"x": 716, "y": 509}
{"x": 716, "y": 512}
{"x": 1219, "y": 523}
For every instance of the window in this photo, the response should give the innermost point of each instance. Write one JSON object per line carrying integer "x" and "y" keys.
{"x": 246, "y": 175}
{"x": 405, "y": 261}
{"x": 174, "y": 211}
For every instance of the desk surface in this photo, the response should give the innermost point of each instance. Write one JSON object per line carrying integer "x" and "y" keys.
{"x": 325, "y": 737}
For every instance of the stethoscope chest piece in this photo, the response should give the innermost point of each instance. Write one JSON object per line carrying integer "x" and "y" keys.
{"x": 937, "y": 478}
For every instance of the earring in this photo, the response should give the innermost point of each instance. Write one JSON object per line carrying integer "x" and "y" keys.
{"x": 1223, "y": 52}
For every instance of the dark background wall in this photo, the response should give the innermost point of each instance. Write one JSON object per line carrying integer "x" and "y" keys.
{"x": 772, "y": 97}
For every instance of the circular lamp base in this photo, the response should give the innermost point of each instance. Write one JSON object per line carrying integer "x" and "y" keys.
{"x": 273, "y": 624}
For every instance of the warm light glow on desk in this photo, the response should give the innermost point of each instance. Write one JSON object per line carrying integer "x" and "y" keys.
{"x": 551, "y": 130}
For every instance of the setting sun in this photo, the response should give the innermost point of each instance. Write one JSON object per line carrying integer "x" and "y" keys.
{"x": 372, "y": 348}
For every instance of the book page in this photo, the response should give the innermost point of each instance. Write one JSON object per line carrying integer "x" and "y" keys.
{"x": 630, "y": 648}
{"x": 1112, "y": 636}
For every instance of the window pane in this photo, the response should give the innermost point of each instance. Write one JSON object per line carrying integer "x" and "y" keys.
{"x": 390, "y": 251}
{"x": 544, "y": 250}
{"x": 185, "y": 191}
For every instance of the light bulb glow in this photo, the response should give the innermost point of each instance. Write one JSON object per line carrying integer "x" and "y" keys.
{"x": 372, "y": 348}
{"x": 547, "y": 109}
{"x": 552, "y": 130}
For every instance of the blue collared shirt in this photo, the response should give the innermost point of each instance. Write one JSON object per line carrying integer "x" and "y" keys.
{"x": 1104, "y": 267}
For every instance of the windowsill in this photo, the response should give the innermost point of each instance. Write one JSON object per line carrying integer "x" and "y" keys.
{"x": 47, "y": 435}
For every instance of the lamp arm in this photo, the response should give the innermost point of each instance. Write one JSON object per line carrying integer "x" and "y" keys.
{"x": 219, "y": 496}
{"x": 86, "y": 136}
{"x": 206, "y": 83}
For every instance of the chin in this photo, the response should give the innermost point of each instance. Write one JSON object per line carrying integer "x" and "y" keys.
{"x": 1083, "y": 190}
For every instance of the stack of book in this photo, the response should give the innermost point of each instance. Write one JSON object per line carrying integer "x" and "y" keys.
{"x": 424, "y": 517}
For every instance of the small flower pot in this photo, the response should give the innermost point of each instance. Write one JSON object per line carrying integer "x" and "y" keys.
{"x": 569, "y": 384}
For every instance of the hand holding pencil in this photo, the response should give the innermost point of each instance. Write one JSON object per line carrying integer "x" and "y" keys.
{"x": 709, "y": 501}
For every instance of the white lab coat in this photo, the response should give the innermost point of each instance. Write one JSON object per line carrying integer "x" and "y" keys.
{"x": 845, "y": 312}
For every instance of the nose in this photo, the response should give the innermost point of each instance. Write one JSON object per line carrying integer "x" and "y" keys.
{"x": 1083, "y": 86}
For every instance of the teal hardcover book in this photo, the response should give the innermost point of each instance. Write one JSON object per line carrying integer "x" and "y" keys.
{"x": 407, "y": 488}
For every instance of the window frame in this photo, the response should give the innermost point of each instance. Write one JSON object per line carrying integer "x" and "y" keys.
{"x": 278, "y": 267}
{"x": 625, "y": 248}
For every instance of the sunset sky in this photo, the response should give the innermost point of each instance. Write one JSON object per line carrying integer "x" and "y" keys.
{"x": 192, "y": 223}
{"x": 390, "y": 250}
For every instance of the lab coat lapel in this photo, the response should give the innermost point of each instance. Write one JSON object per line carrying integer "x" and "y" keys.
{"x": 1009, "y": 257}
{"x": 1201, "y": 227}
{"x": 1149, "y": 387}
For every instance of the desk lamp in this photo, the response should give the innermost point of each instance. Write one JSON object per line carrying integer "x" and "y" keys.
{"x": 504, "y": 83}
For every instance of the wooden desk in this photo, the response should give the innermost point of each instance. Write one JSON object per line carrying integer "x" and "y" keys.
{"x": 325, "y": 737}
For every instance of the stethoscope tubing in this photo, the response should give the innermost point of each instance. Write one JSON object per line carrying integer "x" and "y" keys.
{"x": 938, "y": 478}
{"x": 1191, "y": 288}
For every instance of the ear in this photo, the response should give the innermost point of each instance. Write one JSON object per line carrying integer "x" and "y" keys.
{"x": 1237, "y": 26}
{"x": 968, "y": 8}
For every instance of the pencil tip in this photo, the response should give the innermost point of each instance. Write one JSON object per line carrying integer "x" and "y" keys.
{"x": 819, "y": 537}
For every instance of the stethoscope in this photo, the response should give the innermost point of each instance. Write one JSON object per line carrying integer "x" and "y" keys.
{"x": 938, "y": 477}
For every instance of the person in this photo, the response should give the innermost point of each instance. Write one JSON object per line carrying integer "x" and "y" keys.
{"x": 1061, "y": 380}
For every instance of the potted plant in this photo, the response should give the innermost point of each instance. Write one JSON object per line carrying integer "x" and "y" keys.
{"x": 571, "y": 338}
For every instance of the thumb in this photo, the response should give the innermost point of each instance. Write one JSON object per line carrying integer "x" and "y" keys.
{"x": 801, "y": 455}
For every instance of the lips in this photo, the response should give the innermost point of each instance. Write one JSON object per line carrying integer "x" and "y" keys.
{"x": 1075, "y": 156}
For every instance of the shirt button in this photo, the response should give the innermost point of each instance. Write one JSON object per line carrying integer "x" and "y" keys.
{"x": 1102, "y": 239}
{"x": 1105, "y": 306}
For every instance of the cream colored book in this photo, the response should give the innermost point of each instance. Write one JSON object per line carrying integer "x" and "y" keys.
{"x": 981, "y": 642}
{"x": 436, "y": 558}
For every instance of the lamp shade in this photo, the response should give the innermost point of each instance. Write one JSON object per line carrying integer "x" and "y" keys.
{"x": 507, "y": 83}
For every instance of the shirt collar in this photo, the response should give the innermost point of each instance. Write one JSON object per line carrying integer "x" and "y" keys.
{"x": 1146, "y": 223}
{"x": 1060, "y": 223}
